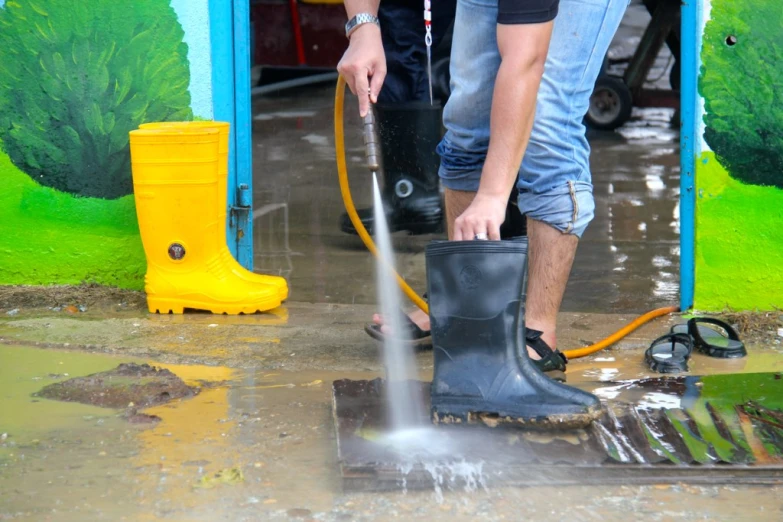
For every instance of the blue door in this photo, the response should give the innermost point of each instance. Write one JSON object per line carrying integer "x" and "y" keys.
{"x": 230, "y": 37}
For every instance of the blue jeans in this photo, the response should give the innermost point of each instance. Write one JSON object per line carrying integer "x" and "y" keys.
{"x": 554, "y": 180}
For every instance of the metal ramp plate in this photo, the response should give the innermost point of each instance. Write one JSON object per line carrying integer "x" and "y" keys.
{"x": 717, "y": 429}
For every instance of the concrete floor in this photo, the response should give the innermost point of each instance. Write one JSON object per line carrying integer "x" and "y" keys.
{"x": 267, "y": 412}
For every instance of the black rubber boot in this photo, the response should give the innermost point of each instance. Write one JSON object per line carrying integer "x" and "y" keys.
{"x": 409, "y": 134}
{"x": 483, "y": 373}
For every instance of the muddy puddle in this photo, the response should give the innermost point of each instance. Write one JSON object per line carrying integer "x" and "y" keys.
{"x": 260, "y": 446}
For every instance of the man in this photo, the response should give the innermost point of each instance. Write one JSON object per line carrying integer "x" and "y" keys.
{"x": 522, "y": 72}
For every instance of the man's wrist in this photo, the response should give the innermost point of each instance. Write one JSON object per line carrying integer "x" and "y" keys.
{"x": 365, "y": 30}
{"x": 498, "y": 196}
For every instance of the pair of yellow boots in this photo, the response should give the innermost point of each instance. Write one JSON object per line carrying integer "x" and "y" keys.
{"x": 180, "y": 181}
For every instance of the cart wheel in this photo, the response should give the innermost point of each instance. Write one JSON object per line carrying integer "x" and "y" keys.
{"x": 441, "y": 79}
{"x": 610, "y": 104}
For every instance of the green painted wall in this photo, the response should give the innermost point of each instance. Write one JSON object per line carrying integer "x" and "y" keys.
{"x": 739, "y": 171}
{"x": 75, "y": 78}
{"x": 739, "y": 241}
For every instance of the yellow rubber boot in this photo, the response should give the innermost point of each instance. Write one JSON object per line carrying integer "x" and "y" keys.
{"x": 175, "y": 181}
{"x": 225, "y": 254}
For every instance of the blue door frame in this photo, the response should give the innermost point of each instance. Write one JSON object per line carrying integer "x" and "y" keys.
{"x": 691, "y": 30}
{"x": 230, "y": 40}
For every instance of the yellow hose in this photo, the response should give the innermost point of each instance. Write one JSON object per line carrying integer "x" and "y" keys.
{"x": 342, "y": 173}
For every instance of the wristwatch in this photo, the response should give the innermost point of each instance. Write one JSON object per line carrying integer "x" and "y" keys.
{"x": 359, "y": 19}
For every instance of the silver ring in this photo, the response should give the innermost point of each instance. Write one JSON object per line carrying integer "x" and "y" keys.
{"x": 482, "y": 236}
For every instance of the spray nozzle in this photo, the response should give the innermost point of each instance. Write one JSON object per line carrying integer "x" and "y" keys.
{"x": 371, "y": 142}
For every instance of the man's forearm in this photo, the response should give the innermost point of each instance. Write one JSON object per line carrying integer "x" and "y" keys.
{"x": 354, "y": 7}
{"x": 523, "y": 54}
{"x": 511, "y": 121}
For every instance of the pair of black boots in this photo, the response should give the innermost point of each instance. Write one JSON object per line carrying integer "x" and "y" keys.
{"x": 483, "y": 373}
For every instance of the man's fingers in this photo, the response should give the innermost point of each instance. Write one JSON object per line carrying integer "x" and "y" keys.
{"x": 349, "y": 81}
{"x": 377, "y": 82}
{"x": 458, "y": 232}
{"x": 494, "y": 235}
{"x": 362, "y": 86}
{"x": 493, "y": 231}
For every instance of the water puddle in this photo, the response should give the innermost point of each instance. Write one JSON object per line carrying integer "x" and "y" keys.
{"x": 266, "y": 436}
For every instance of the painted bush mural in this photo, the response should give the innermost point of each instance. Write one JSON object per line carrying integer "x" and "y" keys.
{"x": 739, "y": 167}
{"x": 741, "y": 78}
{"x": 76, "y": 77}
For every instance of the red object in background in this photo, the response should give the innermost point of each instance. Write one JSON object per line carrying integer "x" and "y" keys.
{"x": 297, "y": 27}
{"x": 294, "y": 34}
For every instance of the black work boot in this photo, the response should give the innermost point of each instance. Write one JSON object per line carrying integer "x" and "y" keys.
{"x": 409, "y": 134}
{"x": 483, "y": 373}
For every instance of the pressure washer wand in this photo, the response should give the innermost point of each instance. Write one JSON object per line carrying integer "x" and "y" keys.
{"x": 371, "y": 147}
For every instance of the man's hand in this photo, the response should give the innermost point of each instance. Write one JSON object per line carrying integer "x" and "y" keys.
{"x": 483, "y": 218}
{"x": 523, "y": 51}
{"x": 364, "y": 65}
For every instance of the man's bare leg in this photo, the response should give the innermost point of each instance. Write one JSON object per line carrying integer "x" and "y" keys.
{"x": 551, "y": 256}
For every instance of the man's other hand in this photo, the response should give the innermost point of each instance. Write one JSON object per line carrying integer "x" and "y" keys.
{"x": 364, "y": 65}
{"x": 482, "y": 218}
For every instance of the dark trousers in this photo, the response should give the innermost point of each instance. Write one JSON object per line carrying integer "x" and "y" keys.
{"x": 402, "y": 30}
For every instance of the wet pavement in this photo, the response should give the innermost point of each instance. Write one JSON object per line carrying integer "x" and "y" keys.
{"x": 258, "y": 441}
{"x": 269, "y": 437}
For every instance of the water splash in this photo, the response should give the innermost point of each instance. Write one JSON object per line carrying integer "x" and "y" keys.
{"x": 405, "y": 401}
{"x": 438, "y": 454}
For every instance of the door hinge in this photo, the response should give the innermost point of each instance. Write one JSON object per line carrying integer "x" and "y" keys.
{"x": 241, "y": 209}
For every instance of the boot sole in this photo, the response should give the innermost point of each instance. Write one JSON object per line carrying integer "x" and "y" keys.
{"x": 177, "y": 306}
{"x": 480, "y": 412}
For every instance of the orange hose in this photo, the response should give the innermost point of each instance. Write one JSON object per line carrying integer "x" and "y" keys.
{"x": 342, "y": 173}
{"x": 619, "y": 334}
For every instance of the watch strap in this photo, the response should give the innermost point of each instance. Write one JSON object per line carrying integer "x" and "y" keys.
{"x": 359, "y": 19}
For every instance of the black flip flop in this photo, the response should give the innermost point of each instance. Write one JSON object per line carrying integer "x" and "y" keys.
{"x": 552, "y": 362}
{"x": 414, "y": 336}
{"x": 669, "y": 353}
{"x": 711, "y": 341}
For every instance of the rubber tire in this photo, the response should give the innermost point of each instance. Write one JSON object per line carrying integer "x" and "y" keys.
{"x": 620, "y": 91}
